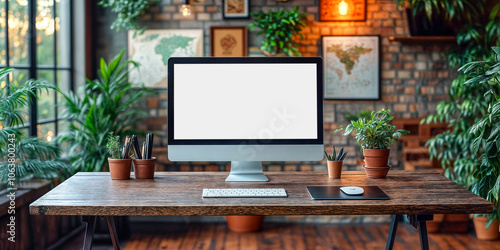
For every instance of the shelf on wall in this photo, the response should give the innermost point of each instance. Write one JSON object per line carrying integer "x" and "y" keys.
{"x": 418, "y": 39}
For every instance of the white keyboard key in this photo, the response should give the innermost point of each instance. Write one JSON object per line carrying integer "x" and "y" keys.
{"x": 244, "y": 193}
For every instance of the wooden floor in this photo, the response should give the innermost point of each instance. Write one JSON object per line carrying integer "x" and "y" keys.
{"x": 288, "y": 236}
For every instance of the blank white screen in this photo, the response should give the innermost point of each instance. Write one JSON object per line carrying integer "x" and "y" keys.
{"x": 245, "y": 101}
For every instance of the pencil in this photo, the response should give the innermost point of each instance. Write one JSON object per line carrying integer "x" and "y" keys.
{"x": 143, "y": 149}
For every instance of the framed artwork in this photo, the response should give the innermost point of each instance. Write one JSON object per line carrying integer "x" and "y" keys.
{"x": 228, "y": 41}
{"x": 153, "y": 48}
{"x": 351, "y": 66}
{"x": 235, "y": 9}
{"x": 342, "y": 10}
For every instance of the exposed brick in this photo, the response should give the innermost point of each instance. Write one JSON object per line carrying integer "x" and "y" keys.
{"x": 290, "y": 168}
{"x": 409, "y": 65}
{"x": 410, "y": 90}
{"x": 389, "y": 74}
{"x": 170, "y": 8}
{"x": 163, "y": 16}
{"x": 404, "y": 74}
{"x": 389, "y": 98}
{"x": 381, "y": 15}
{"x": 203, "y": 16}
{"x": 274, "y": 168}
{"x": 306, "y": 168}
{"x": 212, "y": 168}
{"x": 325, "y": 31}
{"x": 211, "y": 9}
{"x": 397, "y": 65}
{"x": 400, "y": 107}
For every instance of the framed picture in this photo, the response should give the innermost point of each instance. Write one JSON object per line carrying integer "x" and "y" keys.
{"x": 153, "y": 48}
{"x": 235, "y": 9}
{"x": 228, "y": 41}
{"x": 342, "y": 10}
{"x": 351, "y": 66}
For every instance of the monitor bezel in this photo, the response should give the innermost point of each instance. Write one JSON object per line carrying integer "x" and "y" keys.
{"x": 247, "y": 60}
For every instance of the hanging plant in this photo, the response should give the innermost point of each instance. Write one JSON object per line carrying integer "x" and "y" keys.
{"x": 129, "y": 12}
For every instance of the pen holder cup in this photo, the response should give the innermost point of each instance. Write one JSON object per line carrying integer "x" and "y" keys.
{"x": 119, "y": 169}
{"x": 144, "y": 169}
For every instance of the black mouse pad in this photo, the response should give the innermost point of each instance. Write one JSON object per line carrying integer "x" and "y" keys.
{"x": 334, "y": 193}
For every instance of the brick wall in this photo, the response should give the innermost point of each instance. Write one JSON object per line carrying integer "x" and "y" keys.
{"x": 414, "y": 77}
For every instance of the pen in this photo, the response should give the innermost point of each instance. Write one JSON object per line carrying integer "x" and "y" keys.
{"x": 143, "y": 149}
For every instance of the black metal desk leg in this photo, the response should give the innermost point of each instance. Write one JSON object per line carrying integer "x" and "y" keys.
{"x": 112, "y": 232}
{"x": 392, "y": 231}
{"x": 89, "y": 231}
{"x": 422, "y": 230}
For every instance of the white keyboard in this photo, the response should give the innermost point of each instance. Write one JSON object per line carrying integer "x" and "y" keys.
{"x": 244, "y": 193}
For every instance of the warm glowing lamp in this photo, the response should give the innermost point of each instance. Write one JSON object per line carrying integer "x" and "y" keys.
{"x": 185, "y": 8}
{"x": 343, "y": 8}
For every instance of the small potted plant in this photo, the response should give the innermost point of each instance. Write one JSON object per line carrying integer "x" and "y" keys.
{"x": 279, "y": 28}
{"x": 375, "y": 136}
{"x": 119, "y": 168}
{"x": 334, "y": 163}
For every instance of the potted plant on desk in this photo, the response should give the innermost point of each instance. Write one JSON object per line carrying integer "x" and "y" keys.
{"x": 334, "y": 163}
{"x": 375, "y": 136}
{"x": 119, "y": 166}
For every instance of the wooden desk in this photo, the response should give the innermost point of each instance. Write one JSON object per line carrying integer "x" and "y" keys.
{"x": 418, "y": 194}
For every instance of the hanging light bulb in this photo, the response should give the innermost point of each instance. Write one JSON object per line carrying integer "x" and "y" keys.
{"x": 343, "y": 7}
{"x": 185, "y": 8}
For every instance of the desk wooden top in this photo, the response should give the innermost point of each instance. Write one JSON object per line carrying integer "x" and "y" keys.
{"x": 179, "y": 193}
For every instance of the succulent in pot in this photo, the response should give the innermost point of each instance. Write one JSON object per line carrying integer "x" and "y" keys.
{"x": 334, "y": 163}
{"x": 119, "y": 166}
{"x": 375, "y": 136}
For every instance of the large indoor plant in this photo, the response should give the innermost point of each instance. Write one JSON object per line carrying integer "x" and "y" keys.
{"x": 485, "y": 178}
{"x": 375, "y": 136}
{"x": 30, "y": 156}
{"x": 106, "y": 104}
{"x": 279, "y": 28}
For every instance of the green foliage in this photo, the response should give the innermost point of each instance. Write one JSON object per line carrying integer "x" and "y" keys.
{"x": 375, "y": 132}
{"x": 279, "y": 28}
{"x": 114, "y": 147}
{"x": 104, "y": 105}
{"x": 486, "y": 132}
{"x": 34, "y": 158}
{"x": 475, "y": 21}
{"x": 128, "y": 12}
{"x": 339, "y": 157}
{"x": 355, "y": 116}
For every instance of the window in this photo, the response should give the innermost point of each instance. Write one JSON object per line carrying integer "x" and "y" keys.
{"x": 40, "y": 51}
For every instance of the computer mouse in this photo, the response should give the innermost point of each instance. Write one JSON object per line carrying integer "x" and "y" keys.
{"x": 352, "y": 190}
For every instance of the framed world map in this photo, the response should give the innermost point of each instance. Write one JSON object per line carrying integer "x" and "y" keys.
{"x": 153, "y": 48}
{"x": 351, "y": 67}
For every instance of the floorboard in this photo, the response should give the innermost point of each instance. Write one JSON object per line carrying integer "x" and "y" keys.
{"x": 288, "y": 236}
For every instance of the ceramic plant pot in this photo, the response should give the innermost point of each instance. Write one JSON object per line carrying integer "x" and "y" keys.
{"x": 244, "y": 223}
{"x": 144, "y": 169}
{"x": 334, "y": 169}
{"x": 119, "y": 169}
{"x": 491, "y": 233}
{"x": 376, "y": 158}
{"x": 377, "y": 173}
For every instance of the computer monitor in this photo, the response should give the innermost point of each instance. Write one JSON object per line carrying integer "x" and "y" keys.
{"x": 245, "y": 110}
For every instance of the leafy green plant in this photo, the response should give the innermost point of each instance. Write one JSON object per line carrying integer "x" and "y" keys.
{"x": 375, "y": 132}
{"x": 355, "y": 116}
{"x": 486, "y": 132}
{"x": 279, "y": 28}
{"x": 339, "y": 157}
{"x": 114, "y": 147}
{"x": 128, "y": 12}
{"x": 33, "y": 157}
{"x": 106, "y": 104}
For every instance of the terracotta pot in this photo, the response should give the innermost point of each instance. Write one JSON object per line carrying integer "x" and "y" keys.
{"x": 144, "y": 169}
{"x": 455, "y": 223}
{"x": 119, "y": 169}
{"x": 491, "y": 233}
{"x": 334, "y": 169}
{"x": 266, "y": 53}
{"x": 376, "y": 158}
{"x": 434, "y": 225}
{"x": 244, "y": 223}
{"x": 377, "y": 173}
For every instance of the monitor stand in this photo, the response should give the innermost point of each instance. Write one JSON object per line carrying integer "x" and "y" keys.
{"x": 246, "y": 171}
